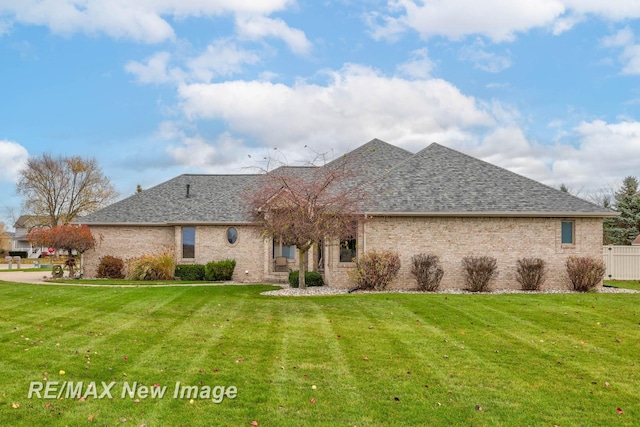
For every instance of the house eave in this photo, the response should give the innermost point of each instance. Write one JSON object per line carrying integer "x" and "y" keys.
{"x": 499, "y": 214}
{"x": 161, "y": 224}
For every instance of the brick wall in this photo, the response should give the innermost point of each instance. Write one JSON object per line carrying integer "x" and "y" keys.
{"x": 211, "y": 245}
{"x": 127, "y": 242}
{"x": 506, "y": 239}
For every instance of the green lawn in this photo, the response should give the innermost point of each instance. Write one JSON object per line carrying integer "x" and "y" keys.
{"x": 627, "y": 284}
{"x": 385, "y": 359}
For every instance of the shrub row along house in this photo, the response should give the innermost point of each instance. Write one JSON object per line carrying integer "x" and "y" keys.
{"x": 437, "y": 201}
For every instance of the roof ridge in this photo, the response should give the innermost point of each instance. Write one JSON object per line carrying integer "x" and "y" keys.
{"x": 536, "y": 182}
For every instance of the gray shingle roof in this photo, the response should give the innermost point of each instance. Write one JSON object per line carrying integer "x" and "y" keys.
{"x": 212, "y": 198}
{"x": 439, "y": 180}
{"x": 434, "y": 181}
{"x": 371, "y": 160}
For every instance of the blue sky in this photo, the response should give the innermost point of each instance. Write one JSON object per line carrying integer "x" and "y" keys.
{"x": 155, "y": 88}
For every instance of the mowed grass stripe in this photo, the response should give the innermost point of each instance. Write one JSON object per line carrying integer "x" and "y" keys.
{"x": 171, "y": 336}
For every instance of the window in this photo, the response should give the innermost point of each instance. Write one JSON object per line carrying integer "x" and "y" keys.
{"x": 567, "y": 233}
{"x": 348, "y": 250}
{"x": 188, "y": 242}
{"x": 281, "y": 249}
{"x": 232, "y": 235}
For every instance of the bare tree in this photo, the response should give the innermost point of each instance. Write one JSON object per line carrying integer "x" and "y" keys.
{"x": 305, "y": 205}
{"x": 63, "y": 188}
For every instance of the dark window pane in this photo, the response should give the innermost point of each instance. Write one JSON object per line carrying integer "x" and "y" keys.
{"x": 232, "y": 235}
{"x": 567, "y": 232}
{"x": 347, "y": 250}
{"x": 188, "y": 242}
{"x": 289, "y": 251}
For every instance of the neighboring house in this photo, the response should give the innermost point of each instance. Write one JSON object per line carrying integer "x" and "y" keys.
{"x": 23, "y": 226}
{"x": 636, "y": 241}
{"x": 437, "y": 201}
{"x": 5, "y": 242}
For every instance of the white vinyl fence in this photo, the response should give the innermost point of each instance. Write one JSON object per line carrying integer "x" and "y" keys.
{"x": 622, "y": 262}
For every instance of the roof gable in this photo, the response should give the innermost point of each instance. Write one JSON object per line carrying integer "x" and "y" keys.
{"x": 186, "y": 198}
{"x": 434, "y": 181}
{"x": 440, "y": 180}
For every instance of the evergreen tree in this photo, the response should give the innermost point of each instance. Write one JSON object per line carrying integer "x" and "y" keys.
{"x": 623, "y": 229}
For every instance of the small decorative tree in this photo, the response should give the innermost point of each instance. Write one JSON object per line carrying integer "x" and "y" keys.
{"x": 69, "y": 238}
{"x": 303, "y": 206}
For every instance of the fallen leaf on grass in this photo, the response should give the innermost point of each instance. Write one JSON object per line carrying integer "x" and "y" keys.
{"x": 619, "y": 411}
{"x": 125, "y": 358}
{"x": 478, "y": 408}
{"x": 239, "y": 360}
{"x": 254, "y": 423}
{"x": 365, "y": 358}
{"x": 312, "y": 400}
{"x": 15, "y": 405}
{"x": 607, "y": 384}
{"x": 62, "y": 372}
{"x": 90, "y": 417}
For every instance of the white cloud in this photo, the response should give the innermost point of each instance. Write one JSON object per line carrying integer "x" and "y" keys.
{"x": 13, "y": 157}
{"x": 601, "y": 156}
{"x": 498, "y": 20}
{"x": 623, "y": 37}
{"x": 419, "y": 66}
{"x": 140, "y": 20}
{"x": 630, "y": 55}
{"x": 221, "y": 58}
{"x": 154, "y": 69}
{"x": 356, "y": 105}
{"x": 483, "y": 59}
{"x": 225, "y": 154}
{"x": 257, "y": 27}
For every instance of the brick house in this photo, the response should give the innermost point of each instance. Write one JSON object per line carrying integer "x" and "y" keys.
{"x": 437, "y": 201}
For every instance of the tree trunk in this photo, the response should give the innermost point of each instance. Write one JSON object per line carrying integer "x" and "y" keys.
{"x": 302, "y": 254}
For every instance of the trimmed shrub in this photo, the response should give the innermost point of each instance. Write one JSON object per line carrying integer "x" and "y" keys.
{"x": 151, "y": 267}
{"x": 584, "y": 273}
{"x": 311, "y": 278}
{"x": 219, "y": 270}
{"x": 480, "y": 270}
{"x": 375, "y": 270}
{"x": 427, "y": 271}
{"x": 190, "y": 272}
{"x": 110, "y": 267}
{"x": 530, "y": 273}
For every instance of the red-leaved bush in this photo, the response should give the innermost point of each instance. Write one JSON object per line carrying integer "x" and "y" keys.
{"x": 110, "y": 267}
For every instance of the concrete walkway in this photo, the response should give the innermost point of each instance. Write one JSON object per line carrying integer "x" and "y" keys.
{"x": 25, "y": 276}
